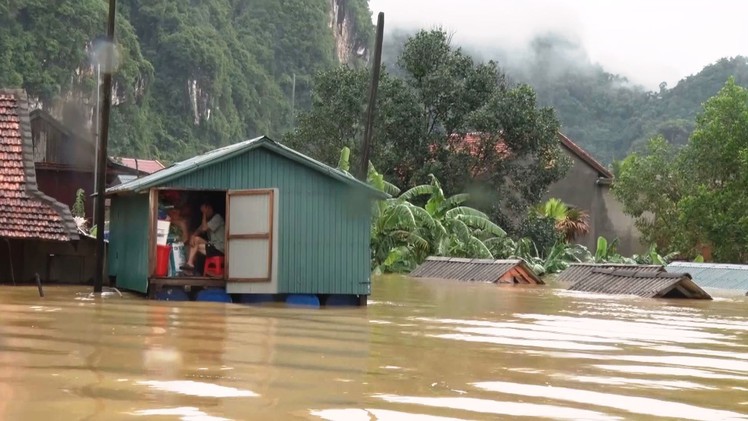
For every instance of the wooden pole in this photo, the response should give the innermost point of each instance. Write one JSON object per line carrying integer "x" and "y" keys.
{"x": 102, "y": 151}
{"x": 364, "y": 169}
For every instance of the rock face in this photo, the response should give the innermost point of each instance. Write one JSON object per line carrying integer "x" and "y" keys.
{"x": 342, "y": 24}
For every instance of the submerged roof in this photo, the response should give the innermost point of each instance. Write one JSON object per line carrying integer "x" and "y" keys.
{"x": 579, "y": 271}
{"x": 480, "y": 270}
{"x": 215, "y": 156}
{"x": 644, "y": 283}
{"x": 25, "y": 212}
{"x": 714, "y": 275}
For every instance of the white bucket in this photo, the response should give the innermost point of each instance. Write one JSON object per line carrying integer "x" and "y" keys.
{"x": 162, "y": 232}
{"x": 177, "y": 256}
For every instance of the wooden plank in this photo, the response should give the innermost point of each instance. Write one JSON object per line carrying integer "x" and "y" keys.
{"x": 189, "y": 281}
{"x": 263, "y": 236}
{"x": 249, "y": 280}
{"x": 152, "y": 228}
{"x": 271, "y": 217}
{"x": 226, "y": 236}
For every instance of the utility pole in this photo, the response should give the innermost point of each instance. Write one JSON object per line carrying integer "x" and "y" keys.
{"x": 97, "y": 121}
{"x": 364, "y": 169}
{"x": 101, "y": 153}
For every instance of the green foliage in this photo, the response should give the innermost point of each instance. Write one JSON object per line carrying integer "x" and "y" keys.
{"x": 570, "y": 222}
{"x": 650, "y": 186}
{"x": 192, "y": 75}
{"x": 404, "y": 234}
{"x": 696, "y": 198}
{"x": 541, "y": 231}
{"x": 79, "y": 206}
{"x": 435, "y": 96}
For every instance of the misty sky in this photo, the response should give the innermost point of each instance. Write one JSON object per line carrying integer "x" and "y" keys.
{"x": 646, "y": 41}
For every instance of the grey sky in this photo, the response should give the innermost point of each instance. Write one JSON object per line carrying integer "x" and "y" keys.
{"x": 646, "y": 41}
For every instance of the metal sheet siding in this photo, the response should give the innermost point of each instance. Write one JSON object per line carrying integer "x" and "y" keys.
{"x": 324, "y": 224}
{"x": 714, "y": 275}
{"x": 128, "y": 242}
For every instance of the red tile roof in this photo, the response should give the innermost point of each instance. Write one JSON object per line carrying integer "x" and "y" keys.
{"x": 585, "y": 156}
{"x": 469, "y": 143}
{"x": 25, "y": 212}
{"x": 149, "y": 166}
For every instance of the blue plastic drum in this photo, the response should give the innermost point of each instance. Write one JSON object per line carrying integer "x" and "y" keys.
{"x": 214, "y": 295}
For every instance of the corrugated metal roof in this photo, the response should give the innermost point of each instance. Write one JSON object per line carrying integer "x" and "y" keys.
{"x": 218, "y": 155}
{"x": 579, "y": 271}
{"x": 714, "y": 275}
{"x": 480, "y": 270}
{"x": 644, "y": 283}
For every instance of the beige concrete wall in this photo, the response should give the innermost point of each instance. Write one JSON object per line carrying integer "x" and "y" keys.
{"x": 580, "y": 189}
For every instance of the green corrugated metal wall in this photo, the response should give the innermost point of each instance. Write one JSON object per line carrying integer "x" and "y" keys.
{"x": 128, "y": 240}
{"x": 324, "y": 224}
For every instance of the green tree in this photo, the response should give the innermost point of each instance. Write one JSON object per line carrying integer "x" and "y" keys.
{"x": 693, "y": 197}
{"x": 715, "y": 168}
{"x": 570, "y": 222}
{"x": 425, "y": 122}
{"x": 650, "y": 186}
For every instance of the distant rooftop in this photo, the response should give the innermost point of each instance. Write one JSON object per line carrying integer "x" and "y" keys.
{"x": 714, "y": 275}
{"x": 149, "y": 166}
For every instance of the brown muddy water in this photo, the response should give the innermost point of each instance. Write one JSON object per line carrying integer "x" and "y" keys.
{"x": 421, "y": 351}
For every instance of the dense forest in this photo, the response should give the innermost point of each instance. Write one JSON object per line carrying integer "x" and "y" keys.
{"x": 195, "y": 75}
{"x": 191, "y": 75}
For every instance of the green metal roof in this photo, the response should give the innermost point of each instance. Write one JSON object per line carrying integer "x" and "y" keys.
{"x": 218, "y": 155}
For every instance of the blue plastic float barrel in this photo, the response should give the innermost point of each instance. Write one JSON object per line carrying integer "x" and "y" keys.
{"x": 215, "y": 295}
{"x": 304, "y": 300}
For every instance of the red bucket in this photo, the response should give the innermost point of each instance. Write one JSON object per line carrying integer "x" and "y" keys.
{"x": 163, "y": 253}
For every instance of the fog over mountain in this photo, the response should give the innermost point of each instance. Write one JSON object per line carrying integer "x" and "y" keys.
{"x": 647, "y": 42}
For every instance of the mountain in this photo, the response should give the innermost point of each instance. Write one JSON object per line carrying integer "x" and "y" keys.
{"x": 191, "y": 75}
{"x": 605, "y": 112}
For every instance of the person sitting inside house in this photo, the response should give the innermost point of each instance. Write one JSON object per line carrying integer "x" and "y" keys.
{"x": 212, "y": 225}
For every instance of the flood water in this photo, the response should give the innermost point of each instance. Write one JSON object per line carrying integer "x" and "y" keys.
{"x": 422, "y": 350}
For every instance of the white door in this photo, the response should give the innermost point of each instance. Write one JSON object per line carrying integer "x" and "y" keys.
{"x": 249, "y": 235}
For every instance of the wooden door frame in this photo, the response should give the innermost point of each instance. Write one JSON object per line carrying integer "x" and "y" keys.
{"x": 268, "y": 235}
{"x": 152, "y": 228}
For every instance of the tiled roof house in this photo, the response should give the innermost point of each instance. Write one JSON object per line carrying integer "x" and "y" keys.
{"x": 25, "y": 212}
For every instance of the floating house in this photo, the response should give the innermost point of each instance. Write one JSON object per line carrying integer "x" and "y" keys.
{"x": 40, "y": 236}
{"x": 714, "y": 275}
{"x": 646, "y": 283}
{"x": 477, "y": 270}
{"x": 293, "y": 225}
